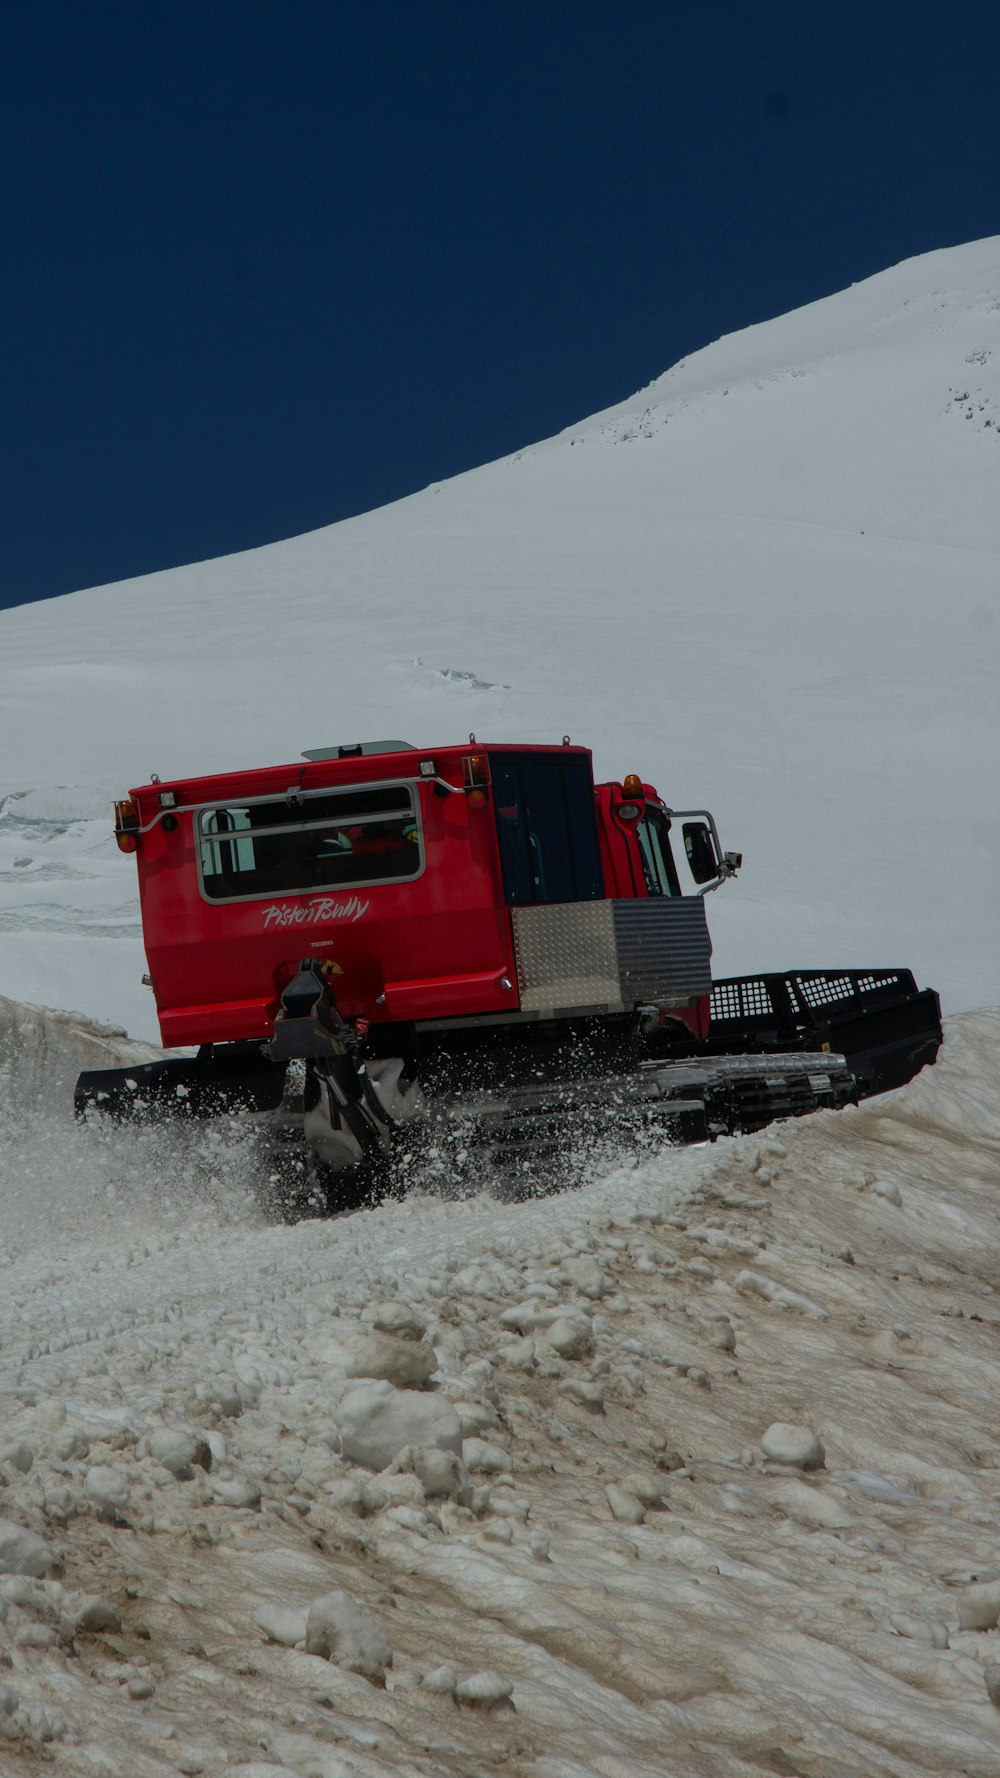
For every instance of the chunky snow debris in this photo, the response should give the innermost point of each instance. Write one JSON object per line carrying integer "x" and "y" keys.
{"x": 339, "y": 1630}
{"x": 571, "y": 1336}
{"x": 377, "y": 1421}
{"x": 624, "y": 1505}
{"x": 17, "y": 1456}
{"x": 979, "y": 1607}
{"x": 441, "y": 1474}
{"x": 108, "y": 1490}
{"x": 838, "y": 1617}
{"x": 440, "y": 1679}
{"x": 89, "y": 1613}
{"x": 484, "y": 1690}
{"x": 283, "y": 1623}
{"x": 179, "y": 1451}
{"x": 21, "y": 1552}
{"x": 485, "y": 1458}
{"x": 407, "y": 1363}
{"x": 796, "y": 1446}
{"x": 400, "y": 1319}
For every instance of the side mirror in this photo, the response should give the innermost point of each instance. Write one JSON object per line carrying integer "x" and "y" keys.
{"x": 703, "y": 863}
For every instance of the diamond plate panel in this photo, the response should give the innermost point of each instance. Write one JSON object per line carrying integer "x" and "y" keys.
{"x": 664, "y": 951}
{"x": 566, "y": 956}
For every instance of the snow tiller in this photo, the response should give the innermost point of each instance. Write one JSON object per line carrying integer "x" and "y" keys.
{"x": 471, "y": 946}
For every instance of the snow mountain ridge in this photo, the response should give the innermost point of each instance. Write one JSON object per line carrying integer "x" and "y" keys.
{"x": 769, "y": 582}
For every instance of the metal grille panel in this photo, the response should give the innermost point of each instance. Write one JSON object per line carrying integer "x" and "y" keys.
{"x": 741, "y": 998}
{"x": 664, "y": 949}
{"x": 611, "y": 953}
{"x": 828, "y": 990}
{"x": 566, "y": 956}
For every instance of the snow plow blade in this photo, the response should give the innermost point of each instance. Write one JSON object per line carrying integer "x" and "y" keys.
{"x": 216, "y": 1082}
{"x": 884, "y": 1026}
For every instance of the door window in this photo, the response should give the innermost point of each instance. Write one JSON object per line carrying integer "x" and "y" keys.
{"x": 547, "y": 828}
{"x": 658, "y": 865}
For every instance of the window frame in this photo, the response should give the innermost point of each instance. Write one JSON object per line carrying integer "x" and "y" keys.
{"x": 524, "y": 771}
{"x": 673, "y": 891}
{"x": 303, "y": 797}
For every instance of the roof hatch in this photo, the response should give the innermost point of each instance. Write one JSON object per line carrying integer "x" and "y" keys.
{"x": 355, "y": 749}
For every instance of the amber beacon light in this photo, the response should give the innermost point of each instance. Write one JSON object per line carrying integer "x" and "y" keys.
{"x": 630, "y": 809}
{"x": 126, "y": 825}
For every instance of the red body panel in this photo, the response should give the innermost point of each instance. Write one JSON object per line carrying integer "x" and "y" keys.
{"x": 438, "y": 945}
{"x": 625, "y": 878}
{"x": 619, "y": 847}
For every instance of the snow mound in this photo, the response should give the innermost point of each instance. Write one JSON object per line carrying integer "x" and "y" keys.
{"x": 42, "y": 1050}
{"x": 717, "y": 1523}
{"x": 99, "y": 1177}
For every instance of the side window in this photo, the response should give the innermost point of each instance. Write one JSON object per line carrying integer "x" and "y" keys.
{"x": 226, "y": 857}
{"x": 546, "y": 828}
{"x": 658, "y": 865}
{"x": 329, "y": 841}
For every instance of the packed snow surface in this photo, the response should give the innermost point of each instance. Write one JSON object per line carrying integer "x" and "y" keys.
{"x": 768, "y": 582}
{"x": 692, "y": 1471}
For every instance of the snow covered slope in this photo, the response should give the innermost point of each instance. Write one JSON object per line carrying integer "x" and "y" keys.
{"x": 769, "y": 582}
{"x": 706, "y": 1480}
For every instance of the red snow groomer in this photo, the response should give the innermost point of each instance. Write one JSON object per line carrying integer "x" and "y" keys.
{"x": 480, "y": 937}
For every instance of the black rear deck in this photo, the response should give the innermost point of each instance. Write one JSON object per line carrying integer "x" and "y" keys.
{"x": 885, "y": 1027}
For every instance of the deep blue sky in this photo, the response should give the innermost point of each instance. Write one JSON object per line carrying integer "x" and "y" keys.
{"x": 268, "y": 263}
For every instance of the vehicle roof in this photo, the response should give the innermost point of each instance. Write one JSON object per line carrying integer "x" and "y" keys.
{"x": 368, "y": 767}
